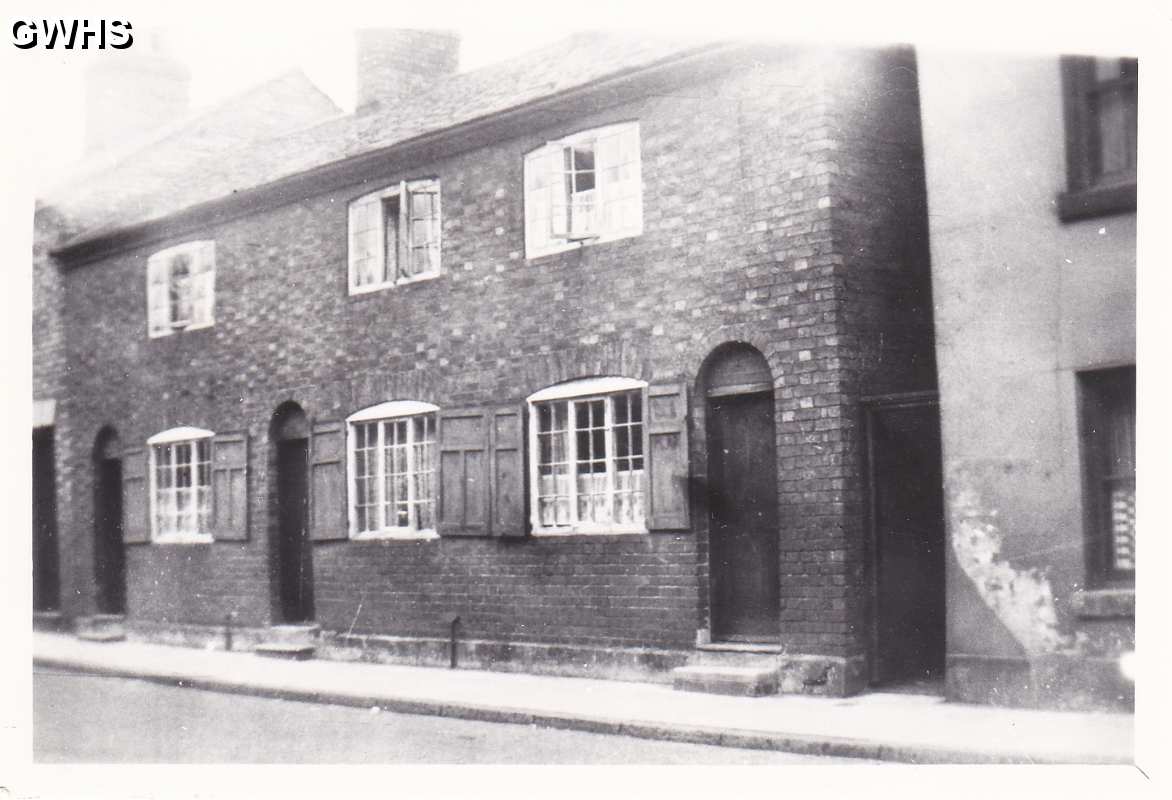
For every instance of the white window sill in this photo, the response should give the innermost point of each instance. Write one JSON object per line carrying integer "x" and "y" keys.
{"x": 402, "y": 534}
{"x": 592, "y": 530}
{"x": 183, "y": 329}
{"x": 378, "y": 287}
{"x": 568, "y": 245}
{"x": 184, "y": 538}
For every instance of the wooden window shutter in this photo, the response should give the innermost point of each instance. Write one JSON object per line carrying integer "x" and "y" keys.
{"x": 667, "y": 436}
{"x": 328, "y": 512}
{"x": 158, "y": 301}
{"x": 230, "y": 487}
{"x": 464, "y": 472}
{"x": 508, "y": 472}
{"x": 136, "y": 521}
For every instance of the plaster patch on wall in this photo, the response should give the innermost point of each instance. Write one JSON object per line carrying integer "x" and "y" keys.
{"x": 1022, "y": 599}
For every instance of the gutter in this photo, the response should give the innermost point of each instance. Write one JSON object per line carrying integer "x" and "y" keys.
{"x": 691, "y": 66}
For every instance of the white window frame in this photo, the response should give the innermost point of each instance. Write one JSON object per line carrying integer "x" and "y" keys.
{"x": 177, "y": 436}
{"x": 401, "y": 191}
{"x": 585, "y": 389}
{"x": 541, "y": 238}
{"x": 200, "y": 286}
{"x": 384, "y": 412}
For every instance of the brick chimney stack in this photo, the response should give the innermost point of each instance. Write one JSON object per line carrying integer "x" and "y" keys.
{"x": 394, "y": 63}
{"x": 129, "y": 92}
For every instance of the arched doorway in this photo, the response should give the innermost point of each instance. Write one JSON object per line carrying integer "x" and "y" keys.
{"x": 289, "y": 435}
{"x": 109, "y": 556}
{"x": 742, "y": 495}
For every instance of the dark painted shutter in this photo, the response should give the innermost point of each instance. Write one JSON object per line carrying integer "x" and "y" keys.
{"x": 464, "y": 472}
{"x": 136, "y": 520}
{"x": 328, "y": 514}
{"x": 667, "y": 436}
{"x": 230, "y": 487}
{"x": 508, "y": 472}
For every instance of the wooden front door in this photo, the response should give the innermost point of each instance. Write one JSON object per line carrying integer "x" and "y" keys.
{"x": 295, "y": 554}
{"x": 109, "y": 558}
{"x": 907, "y": 529}
{"x": 742, "y": 474}
{"x": 46, "y": 579}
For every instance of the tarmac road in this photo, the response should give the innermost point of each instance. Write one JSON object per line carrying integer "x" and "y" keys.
{"x": 92, "y": 719}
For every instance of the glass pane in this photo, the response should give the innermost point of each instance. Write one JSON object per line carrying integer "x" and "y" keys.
{"x": 390, "y": 254}
{"x": 1116, "y": 136}
{"x": 1122, "y": 506}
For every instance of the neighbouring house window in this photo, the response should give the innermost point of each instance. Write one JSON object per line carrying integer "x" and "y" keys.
{"x": 393, "y": 470}
{"x": 395, "y": 236}
{"x": 1101, "y": 99}
{"x": 583, "y": 188}
{"x": 181, "y": 286}
{"x": 181, "y": 485}
{"x": 587, "y": 457}
{"x": 1108, "y": 429}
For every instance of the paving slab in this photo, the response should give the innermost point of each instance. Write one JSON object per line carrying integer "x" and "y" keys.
{"x": 894, "y": 727}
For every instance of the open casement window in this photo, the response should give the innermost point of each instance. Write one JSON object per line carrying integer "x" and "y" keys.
{"x": 181, "y": 288}
{"x": 1102, "y": 111}
{"x": 395, "y": 236}
{"x": 590, "y": 470}
{"x": 1108, "y": 433}
{"x": 392, "y": 460}
{"x": 583, "y": 188}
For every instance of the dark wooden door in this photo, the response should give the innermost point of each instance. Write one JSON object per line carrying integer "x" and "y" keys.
{"x": 295, "y": 554}
{"x": 908, "y": 545}
{"x": 109, "y": 556}
{"x": 46, "y": 579}
{"x": 742, "y": 474}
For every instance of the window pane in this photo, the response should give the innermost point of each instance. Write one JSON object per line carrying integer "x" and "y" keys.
{"x": 1117, "y": 134}
{"x": 1122, "y": 499}
{"x": 180, "y": 289}
{"x": 390, "y": 260}
{"x": 553, "y": 486}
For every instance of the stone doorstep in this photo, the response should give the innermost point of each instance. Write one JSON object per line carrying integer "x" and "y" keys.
{"x": 52, "y": 621}
{"x": 297, "y": 634}
{"x": 288, "y": 652}
{"x": 101, "y": 628}
{"x": 731, "y": 680}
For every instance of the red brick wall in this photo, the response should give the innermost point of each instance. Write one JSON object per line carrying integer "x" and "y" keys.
{"x": 739, "y": 243}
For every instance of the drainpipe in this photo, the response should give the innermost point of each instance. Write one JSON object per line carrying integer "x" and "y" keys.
{"x": 453, "y": 620}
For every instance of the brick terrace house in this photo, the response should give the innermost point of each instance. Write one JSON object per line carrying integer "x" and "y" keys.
{"x": 574, "y": 348}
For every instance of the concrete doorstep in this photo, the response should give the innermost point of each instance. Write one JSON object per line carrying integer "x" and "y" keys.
{"x": 902, "y": 728}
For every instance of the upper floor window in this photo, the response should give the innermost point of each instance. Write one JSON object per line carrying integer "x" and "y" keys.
{"x": 392, "y": 450}
{"x": 583, "y": 188}
{"x": 181, "y": 287}
{"x": 181, "y": 485}
{"x": 395, "y": 236}
{"x": 587, "y": 455}
{"x": 1108, "y": 434}
{"x": 1101, "y": 100}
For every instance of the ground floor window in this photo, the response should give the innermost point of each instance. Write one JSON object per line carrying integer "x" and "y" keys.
{"x": 587, "y": 457}
{"x": 181, "y": 485}
{"x": 1108, "y": 430}
{"x": 393, "y": 470}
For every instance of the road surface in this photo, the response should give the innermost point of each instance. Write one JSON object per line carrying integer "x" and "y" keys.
{"x": 86, "y": 719}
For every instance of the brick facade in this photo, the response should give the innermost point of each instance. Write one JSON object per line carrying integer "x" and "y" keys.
{"x": 780, "y": 210}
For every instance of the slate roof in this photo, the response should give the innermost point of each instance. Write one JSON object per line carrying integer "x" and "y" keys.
{"x": 171, "y": 174}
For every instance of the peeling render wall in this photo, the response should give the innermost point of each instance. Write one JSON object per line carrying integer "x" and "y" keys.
{"x": 1023, "y": 302}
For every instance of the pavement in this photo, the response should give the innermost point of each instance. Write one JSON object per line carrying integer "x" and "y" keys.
{"x": 891, "y": 727}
